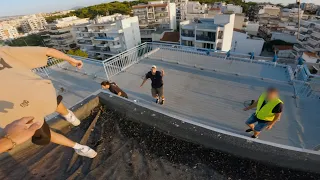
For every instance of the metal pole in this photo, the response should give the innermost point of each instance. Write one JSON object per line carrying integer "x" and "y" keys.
{"x": 298, "y": 34}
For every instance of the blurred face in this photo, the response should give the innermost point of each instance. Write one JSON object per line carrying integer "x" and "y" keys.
{"x": 105, "y": 87}
{"x": 272, "y": 95}
{"x": 153, "y": 70}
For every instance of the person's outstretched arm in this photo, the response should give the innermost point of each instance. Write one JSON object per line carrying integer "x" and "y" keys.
{"x": 34, "y": 57}
{"x": 18, "y": 132}
{"x": 60, "y": 55}
{"x": 144, "y": 81}
{"x": 252, "y": 106}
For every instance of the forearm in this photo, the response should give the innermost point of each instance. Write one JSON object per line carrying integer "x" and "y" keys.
{"x": 253, "y": 105}
{"x": 144, "y": 81}
{"x": 59, "y": 55}
{"x": 275, "y": 119}
{"x": 5, "y": 145}
{"x": 119, "y": 93}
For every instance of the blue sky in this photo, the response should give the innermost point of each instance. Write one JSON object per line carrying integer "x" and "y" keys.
{"x": 21, "y": 7}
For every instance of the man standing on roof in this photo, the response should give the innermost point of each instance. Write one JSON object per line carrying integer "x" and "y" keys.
{"x": 268, "y": 112}
{"x": 156, "y": 83}
{"x": 114, "y": 88}
{"x": 25, "y": 94}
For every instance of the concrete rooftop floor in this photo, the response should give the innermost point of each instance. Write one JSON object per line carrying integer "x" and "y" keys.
{"x": 208, "y": 97}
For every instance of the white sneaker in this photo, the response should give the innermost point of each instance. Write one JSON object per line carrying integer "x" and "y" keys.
{"x": 71, "y": 118}
{"x": 86, "y": 151}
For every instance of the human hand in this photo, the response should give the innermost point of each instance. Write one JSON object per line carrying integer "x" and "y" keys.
{"x": 22, "y": 129}
{"x": 76, "y": 63}
{"x": 269, "y": 126}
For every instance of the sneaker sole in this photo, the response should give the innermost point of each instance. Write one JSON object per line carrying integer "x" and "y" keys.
{"x": 76, "y": 123}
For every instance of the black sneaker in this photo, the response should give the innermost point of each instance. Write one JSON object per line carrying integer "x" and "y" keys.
{"x": 162, "y": 102}
{"x": 157, "y": 100}
{"x": 254, "y": 137}
{"x": 249, "y": 130}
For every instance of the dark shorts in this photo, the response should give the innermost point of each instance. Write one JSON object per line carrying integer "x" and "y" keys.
{"x": 157, "y": 92}
{"x": 43, "y": 135}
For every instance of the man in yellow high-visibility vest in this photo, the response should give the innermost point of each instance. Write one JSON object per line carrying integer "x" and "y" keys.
{"x": 268, "y": 112}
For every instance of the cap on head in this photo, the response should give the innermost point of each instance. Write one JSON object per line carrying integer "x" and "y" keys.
{"x": 154, "y": 67}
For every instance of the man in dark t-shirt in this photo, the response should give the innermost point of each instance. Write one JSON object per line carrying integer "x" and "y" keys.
{"x": 156, "y": 84}
{"x": 114, "y": 88}
{"x": 269, "y": 108}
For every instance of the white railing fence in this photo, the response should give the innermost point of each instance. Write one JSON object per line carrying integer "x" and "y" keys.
{"x": 93, "y": 68}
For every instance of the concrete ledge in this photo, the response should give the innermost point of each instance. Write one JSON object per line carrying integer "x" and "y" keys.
{"x": 258, "y": 150}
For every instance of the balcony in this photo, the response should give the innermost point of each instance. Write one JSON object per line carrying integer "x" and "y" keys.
{"x": 107, "y": 38}
{"x": 299, "y": 48}
{"x": 314, "y": 39}
{"x": 205, "y": 38}
{"x": 313, "y": 48}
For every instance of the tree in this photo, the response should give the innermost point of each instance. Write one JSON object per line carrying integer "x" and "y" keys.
{"x": 78, "y": 52}
{"x": 30, "y": 40}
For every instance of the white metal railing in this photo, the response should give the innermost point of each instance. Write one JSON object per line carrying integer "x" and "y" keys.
{"x": 307, "y": 85}
{"x": 122, "y": 61}
{"x": 91, "y": 67}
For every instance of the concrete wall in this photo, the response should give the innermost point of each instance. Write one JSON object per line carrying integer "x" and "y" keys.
{"x": 213, "y": 138}
{"x": 252, "y": 28}
{"x": 172, "y": 15}
{"x": 241, "y": 44}
{"x": 131, "y": 32}
{"x": 228, "y": 30}
{"x": 284, "y": 37}
{"x": 285, "y": 54}
{"x": 238, "y": 21}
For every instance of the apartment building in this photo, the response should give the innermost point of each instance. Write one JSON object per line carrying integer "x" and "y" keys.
{"x": 270, "y": 10}
{"x": 33, "y": 23}
{"x": 60, "y": 35}
{"x": 291, "y": 13}
{"x": 108, "y": 35}
{"x": 232, "y": 9}
{"x": 181, "y": 6}
{"x": 309, "y": 40}
{"x": 194, "y": 7}
{"x": 8, "y": 32}
{"x": 155, "y": 15}
{"x": 208, "y": 33}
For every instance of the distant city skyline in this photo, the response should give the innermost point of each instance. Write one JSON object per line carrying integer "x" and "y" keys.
{"x": 18, "y": 7}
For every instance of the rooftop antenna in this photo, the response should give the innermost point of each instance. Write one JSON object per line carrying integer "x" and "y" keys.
{"x": 298, "y": 3}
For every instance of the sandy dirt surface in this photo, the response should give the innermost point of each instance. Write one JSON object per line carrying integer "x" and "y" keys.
{"x": 129, "y": 150}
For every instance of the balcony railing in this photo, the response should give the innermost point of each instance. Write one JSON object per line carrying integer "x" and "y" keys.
{"x": 315, "y": 38}
{"x": 187, "y": 34}
{"x": 205, "y": 38}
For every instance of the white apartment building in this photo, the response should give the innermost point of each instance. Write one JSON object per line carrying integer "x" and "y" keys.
{"x": 244, "y": 43}
{"x": 8, "y": 32}
{"x": 155, "y": 15}
{"x": 232, "y": 8}
{"x": 291, "y": 13}
{"x": 270, "y": 10}
{"x": 208, "y": 33}
{"x": 181, "y": 6}
{"x": 108, "y": 35}
{"x": 309, "y": 40}
{"x": 60, "y": 35}
{"x": 33, "y": 23}
{"x": 194, "y": 7}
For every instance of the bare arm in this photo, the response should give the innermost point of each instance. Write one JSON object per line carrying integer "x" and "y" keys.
{"x": 252, "y": 106}
{"x": 275, "y": 119}
{"x": 144, "y": 81}
{"x": 18, "y": 132}
{"x": 5, "y": 145}
{"x": 119, "y": 93}
{"x": 60, "y": 55}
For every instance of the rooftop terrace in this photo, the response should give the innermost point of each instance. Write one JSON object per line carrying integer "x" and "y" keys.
{"x": 201, "y": 86}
